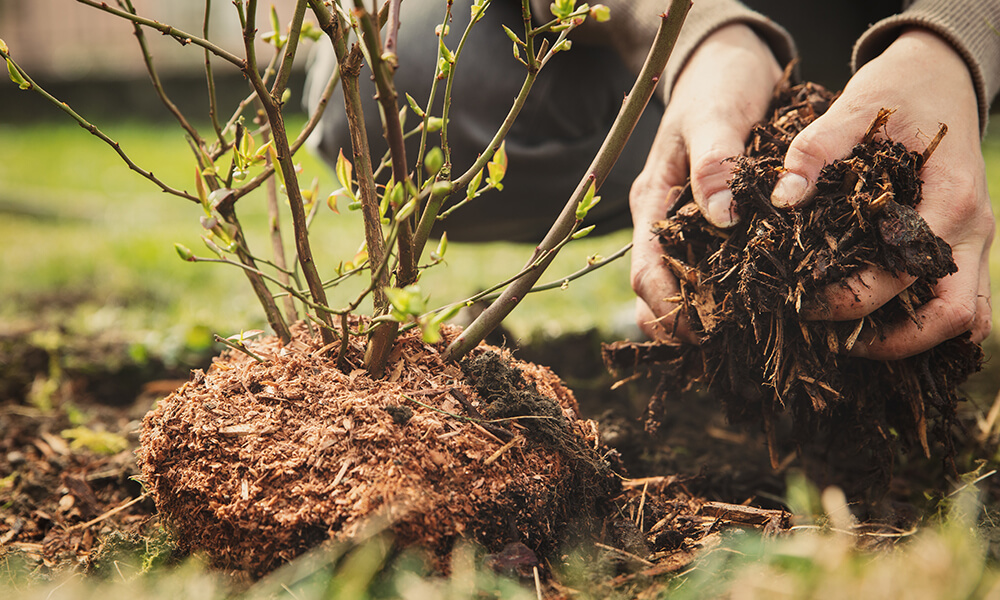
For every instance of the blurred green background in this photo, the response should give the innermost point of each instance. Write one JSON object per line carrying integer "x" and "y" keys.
{"x": 91, "y": 243}
{"x": 82, "y": 233}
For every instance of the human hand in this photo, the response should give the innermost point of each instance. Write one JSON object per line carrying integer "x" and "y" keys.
{"x": 724, "y": 90}
{"x": 925, "y": 80}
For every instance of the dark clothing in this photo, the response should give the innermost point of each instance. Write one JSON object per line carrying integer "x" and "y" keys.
{"x": 561, "y": 127}
{"x": 577, "y": 96}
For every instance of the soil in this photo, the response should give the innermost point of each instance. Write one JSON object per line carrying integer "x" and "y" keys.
{"x": 689, "y": 479}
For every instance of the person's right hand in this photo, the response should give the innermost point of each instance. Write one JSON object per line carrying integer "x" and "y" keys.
{"x": 724, "y": 90}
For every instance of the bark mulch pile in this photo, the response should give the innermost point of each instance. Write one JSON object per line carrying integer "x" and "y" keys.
{"x": 253, "y": 463}
{"x": 256, "y": 462}
{"x": 741, "y": 291}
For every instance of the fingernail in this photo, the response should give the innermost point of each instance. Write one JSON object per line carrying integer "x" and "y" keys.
{"x": 719, "y": 209}
{"x": 789, "y": 191}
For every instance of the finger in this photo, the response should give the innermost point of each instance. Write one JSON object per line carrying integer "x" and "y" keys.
{"x": 828, "y": 138}
{"x": 953, "y": 312}
{"x": 652, "y": 282}
{"x": 670, "y": 327}
{"x": 856, "y": 296}
{"x": 710, "y": 148}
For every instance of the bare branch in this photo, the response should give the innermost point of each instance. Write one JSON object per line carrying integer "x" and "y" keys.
{"x": 628, "y": 116}
{"x": 182, "y": 37}
{"x": 97, "y": 132}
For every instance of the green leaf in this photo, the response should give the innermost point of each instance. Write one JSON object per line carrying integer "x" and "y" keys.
{"x": 199, "y": 185}
{"x": 446, "y": 54}
{"x": 497, "y": 167}
{"x": 396, "y": 195}
{"x": 275, "y": 37}
{"x": 406, "y": 301}
{"x": 407, "y": 210}
{"x": 212, "y": 246}
{"x": 98, "y": 442}
{"x": 472, "y": 190}
{"x": 434, "y": 124}
{"x": 562, "y": 8}
{"x": 441, "y": 189}
{"x": 444, "y": 68}
{"x": 277, "y": 167}
{"x": 442, "y": 247}
{"x": 16, "y": 77}
{"x": 430, "y": 331}
{"x": 3, "y": 47}
{"x": 311, "y": 31}
{"x": 345, "y": 172}
{"x": 583, "y": 232}
{"x": 478, "y": 10}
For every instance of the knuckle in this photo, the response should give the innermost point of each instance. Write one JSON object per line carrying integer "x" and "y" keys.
{"x": 965, "y": 205}
{"x": 982, "y": 328}
{"x": 809, "y": 151}
{"x": 711, "y": 162}
{"x": 959, "y": 317}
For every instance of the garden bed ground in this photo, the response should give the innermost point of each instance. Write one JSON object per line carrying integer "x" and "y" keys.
{"x": 71, "y": 505}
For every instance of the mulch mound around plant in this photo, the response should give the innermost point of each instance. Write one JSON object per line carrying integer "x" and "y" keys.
{"x": 742, "y": 289}
{"x": 256, "y": 462}
{"x": 480, "y": 472}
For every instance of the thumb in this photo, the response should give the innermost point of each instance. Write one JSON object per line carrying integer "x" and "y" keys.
{"x": 828, "y": 138}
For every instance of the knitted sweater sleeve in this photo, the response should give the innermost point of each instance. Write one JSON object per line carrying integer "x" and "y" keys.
{"x": 633, "y": 26}
{"x": 970, "y": 26}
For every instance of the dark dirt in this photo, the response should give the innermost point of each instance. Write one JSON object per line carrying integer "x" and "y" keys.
{"x": 745, "y": 289}
{"x": 657, "y": 524}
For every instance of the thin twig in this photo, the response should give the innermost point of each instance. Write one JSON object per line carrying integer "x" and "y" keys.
{"x": 157, "y": 84}
{"x": 110, "y": 513}
{"x": 213, "y": 105}
{"x": 284, "y": 157}
{"x": 239, "y": 348}
{"x": 291, "y": 46}
{"x": 96, "y": 132}
{"x": 628, "y": 555}
{"x": 277, "y": 243}
{"x": 631, "y": 110}
{"x": 182, "y": 37}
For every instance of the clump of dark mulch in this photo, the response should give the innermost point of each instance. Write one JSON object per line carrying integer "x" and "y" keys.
{"x": 742, "y": 290}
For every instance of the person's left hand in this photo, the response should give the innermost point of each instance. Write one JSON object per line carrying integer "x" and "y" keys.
{"x": 927, "y": 83}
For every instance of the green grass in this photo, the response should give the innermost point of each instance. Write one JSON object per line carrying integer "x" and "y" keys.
{"x": 79, "y": 224}
{"x": 105, "y": 235}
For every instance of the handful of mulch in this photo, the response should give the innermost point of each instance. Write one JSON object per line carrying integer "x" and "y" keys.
{"x": 742, "y": 291}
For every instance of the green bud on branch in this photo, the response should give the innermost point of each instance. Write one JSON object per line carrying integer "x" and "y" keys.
{"x": 185, "y": 253}
{"x": 434, "y": 160}
{"x": 588, "y": 202}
